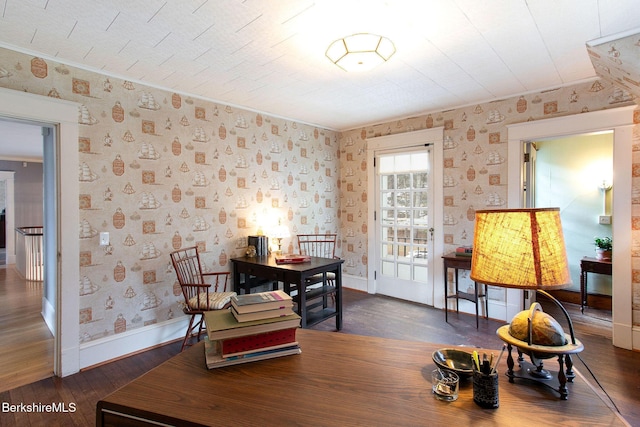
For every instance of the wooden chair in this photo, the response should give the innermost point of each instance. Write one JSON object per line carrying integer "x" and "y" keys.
{"x": 322, "y": 246}
{"x": 196, "y": 290}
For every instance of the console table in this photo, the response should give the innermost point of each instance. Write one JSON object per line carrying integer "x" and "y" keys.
{"x": 338, "y": 380}
{"x": 462, "y": 263}
{"x": 266, "y": 268}
{"x": 591, "y": 265}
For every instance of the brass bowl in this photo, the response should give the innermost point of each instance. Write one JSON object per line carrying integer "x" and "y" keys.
{"x": 453, "y": 359}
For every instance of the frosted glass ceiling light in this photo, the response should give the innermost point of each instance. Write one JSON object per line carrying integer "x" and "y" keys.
{"x": 360, "y": 52}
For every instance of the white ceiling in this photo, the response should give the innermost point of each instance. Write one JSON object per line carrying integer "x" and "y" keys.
{"x": 269, "y": 55}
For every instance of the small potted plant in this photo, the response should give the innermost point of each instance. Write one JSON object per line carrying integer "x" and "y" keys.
{"x": 604, "y": 246}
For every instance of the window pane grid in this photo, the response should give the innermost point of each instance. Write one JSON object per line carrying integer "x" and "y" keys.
{"x": 404, "y": 216}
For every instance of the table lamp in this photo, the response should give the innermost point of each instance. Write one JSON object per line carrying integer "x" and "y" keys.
{"x": 280, "y": 232}
{"x": 524, "y": 249}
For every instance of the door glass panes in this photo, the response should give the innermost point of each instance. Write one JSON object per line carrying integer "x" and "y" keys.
{"x": 403, "y": 185}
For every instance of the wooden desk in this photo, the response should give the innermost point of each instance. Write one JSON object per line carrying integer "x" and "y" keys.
{"x": 462, "y": 263}
{"x": 338, "y": 380}
{"x": 591, "y": 265}
{"x": 266, "y": 268}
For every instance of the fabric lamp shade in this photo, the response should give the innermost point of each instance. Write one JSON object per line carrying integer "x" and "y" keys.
{"x": 520, "y": 248}
{"x": 281, "y": 232}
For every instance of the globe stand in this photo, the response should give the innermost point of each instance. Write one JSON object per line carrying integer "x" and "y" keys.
{"x": 534, "y": 371}
{"x": 539, "y": 372}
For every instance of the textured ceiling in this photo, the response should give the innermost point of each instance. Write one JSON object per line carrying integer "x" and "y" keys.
{"x": 269, "y": 55}
{"x": 617, "y": 59}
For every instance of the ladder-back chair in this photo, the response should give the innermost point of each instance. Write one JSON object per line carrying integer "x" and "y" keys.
{"x": 318, "y": 245}
{"x": 195, "y": 285}
{"x": 322, "y": 246}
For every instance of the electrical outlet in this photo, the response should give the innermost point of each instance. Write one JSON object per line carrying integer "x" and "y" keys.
{"x": 104, "y": 238}
{"x": 604, "y": 219}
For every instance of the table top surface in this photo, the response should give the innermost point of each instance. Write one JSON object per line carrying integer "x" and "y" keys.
{"x": 453, "y": 255}
{"x": 342, "y": 379}
{"x": 270, "y": 261}
{"x": 595, "y": 260}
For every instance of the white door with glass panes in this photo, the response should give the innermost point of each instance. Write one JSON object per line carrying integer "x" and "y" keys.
{"x": 404, "y": 234}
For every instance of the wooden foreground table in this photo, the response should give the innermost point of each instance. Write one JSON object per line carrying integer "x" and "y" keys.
{"x": 338, "y": 380}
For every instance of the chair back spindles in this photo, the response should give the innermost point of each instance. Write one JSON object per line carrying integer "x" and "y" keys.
{"x": 196, "y": 288}
{"x": 317, "y": 245}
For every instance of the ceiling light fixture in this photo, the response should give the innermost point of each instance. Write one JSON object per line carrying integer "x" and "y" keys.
{"x": 360, "y": 52}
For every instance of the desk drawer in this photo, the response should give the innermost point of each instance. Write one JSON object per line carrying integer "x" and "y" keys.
{"x": 267, "y": 275}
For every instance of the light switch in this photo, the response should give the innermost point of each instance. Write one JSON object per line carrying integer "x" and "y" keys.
{"x": 104, "y": 238}
{"x": 604, "y": 219}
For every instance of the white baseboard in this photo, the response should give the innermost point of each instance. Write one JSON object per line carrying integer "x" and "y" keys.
{"x": 129, "y": 342}
{"x": 49, "y": 315}
{"x": 625, "y": 336}
{"x": 118, "y": 345}
{"x": 354, "y": 282}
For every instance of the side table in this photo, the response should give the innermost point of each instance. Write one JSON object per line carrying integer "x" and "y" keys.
{"x": 591, "y": 265}
{"x": 462, "y": 263}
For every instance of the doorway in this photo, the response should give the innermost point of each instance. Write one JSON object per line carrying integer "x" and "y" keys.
{"x": 620, "y": 120}
{"x": 61, "y": 312}
{"x": 405, "y": 178}
{"x": 575, "y": 174}
{"x": 21, "y": 154}
{"x": 403, "y": 202}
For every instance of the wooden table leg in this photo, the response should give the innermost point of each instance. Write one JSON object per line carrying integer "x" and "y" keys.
{"x": 583, "y": 289}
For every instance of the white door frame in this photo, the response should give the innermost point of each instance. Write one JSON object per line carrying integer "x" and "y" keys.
{"x": 63, "y": 115}
{"x": 433, "y": 136}
{"x": 621, "y": 121}
{"x": 10, "y": 216}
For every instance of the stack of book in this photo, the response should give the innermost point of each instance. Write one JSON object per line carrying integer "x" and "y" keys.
{"x": 230, "y": 342}
{"x": 464, "y": 251}
{"x": 261, "y": 305}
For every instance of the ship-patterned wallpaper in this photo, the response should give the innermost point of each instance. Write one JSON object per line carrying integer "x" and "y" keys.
{"x": 161, "y": 171}
{"x": 475, "y": 166}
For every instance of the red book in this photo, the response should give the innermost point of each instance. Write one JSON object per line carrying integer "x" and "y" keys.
{"x": 292, "y": 259}
{"x": 233, "y": 346}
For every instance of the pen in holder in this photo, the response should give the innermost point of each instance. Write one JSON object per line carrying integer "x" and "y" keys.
{"x": 485, "y": 387}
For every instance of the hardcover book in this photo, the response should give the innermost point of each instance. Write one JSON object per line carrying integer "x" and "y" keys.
{"x": 259, "y": 315}
{"x": 250, "y": 343}
{"x": 270, "y": 300}
{"x": 292, "y": 259}
{"x": 215, "y": 360}
{"x": 221, "y": 324}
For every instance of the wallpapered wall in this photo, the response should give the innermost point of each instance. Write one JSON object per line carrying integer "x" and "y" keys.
{"x": 161, "y": 171}
{"x": 475, "y": 167}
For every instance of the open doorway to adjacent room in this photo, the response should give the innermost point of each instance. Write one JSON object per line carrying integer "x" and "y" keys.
{"x": 575, "y": 173}
{"x": 26, "y": 343}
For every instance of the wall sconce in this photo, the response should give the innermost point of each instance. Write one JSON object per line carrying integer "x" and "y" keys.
{"x": 604, "y": 186}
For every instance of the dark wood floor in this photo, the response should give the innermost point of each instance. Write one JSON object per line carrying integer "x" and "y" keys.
{"x": 616, "y": 370}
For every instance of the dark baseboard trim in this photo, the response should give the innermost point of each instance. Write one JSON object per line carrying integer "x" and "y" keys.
{"x": 600, "y": 302}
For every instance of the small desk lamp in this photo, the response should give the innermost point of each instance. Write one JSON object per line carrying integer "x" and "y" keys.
{"x": 280, "y": 232}
{"x": 524, "y": 249}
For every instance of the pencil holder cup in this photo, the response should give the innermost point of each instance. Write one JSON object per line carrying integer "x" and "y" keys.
{"x": 485, "y": 389}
